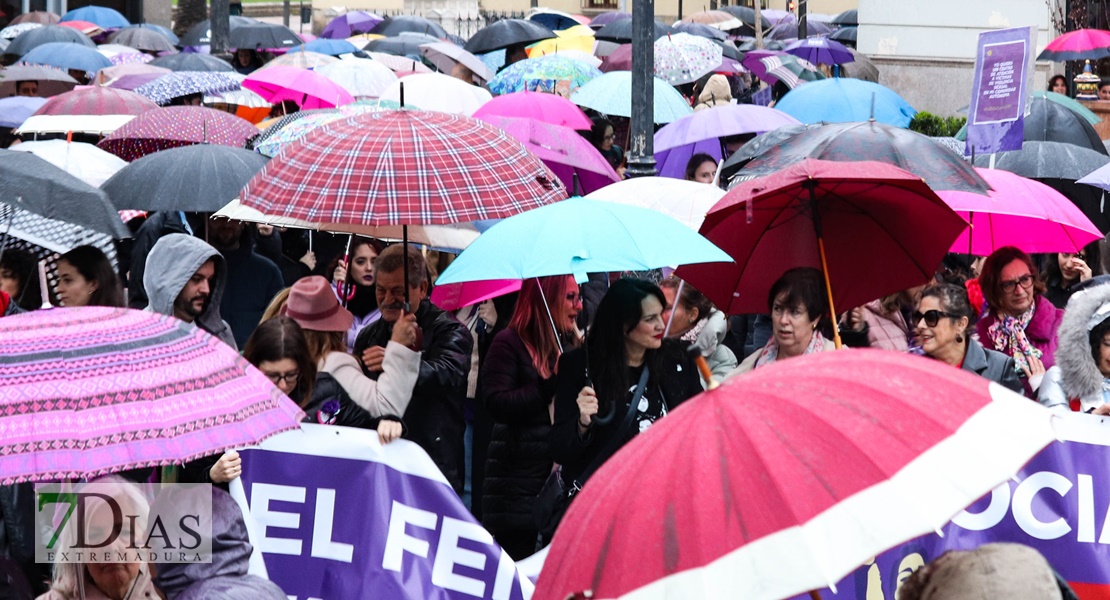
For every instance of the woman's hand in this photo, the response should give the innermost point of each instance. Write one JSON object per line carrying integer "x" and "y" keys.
{"x": 1102, "y": 410}
{"x": 587, "y": 407}
{"x": 340, "y": 274}
{"x": 227, "y": 468}
{"x": 1034, "y": 372}
{"x": 309, "y": 260}
{"x": 389, "y": 430}
{"x": 1080, "y": 265}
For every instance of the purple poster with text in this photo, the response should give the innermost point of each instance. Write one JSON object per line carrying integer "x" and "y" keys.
{"x": 1002, "y": 68}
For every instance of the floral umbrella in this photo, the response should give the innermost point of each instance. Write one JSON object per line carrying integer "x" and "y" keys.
{"x": 296, "y": 129}
{"x": 183, "y": 83}
{"x": 683, "y": 58}
{"x": 544, "y": 73}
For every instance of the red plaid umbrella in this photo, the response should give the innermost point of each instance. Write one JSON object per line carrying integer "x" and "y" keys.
{"x": 402, "y": 168}
{"x": 96, "y": 101}
{"x": 175, "y": 126}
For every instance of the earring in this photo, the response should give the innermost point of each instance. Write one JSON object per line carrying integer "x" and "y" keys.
{"x": 959, "y": 339}
{"x": 691, "y": 321}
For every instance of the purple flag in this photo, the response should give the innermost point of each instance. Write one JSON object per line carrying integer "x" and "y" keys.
{"x": 995, "y": 117}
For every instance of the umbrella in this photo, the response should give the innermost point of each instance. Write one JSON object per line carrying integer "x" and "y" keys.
{"x": 684, "y": 58}
{"x": 262, "y": 35}
{"x": 201, "y": 33}
{"x": 549, "y": 108}
{"x": 717, "y": 19}
{"x": 307, "y": 88}
{"x": 861, "y": 68}
{"x": 436, "y": 91}
{"x": 786, "y": 68}
{"x": 14, "y": 110}
{"x": 848, "y": 17}
{"x": 507, "y": 33}
{"x": 393, "y": 26}
{"x": 200, "y": 178}
{"x": 579, "y": 236}
{"x": 192, "y": 62}
{"x": 165, "y": 31}
{"x": 820, "y": 50}
{"x": 555, "y": 20}
{"x": 51, "y": 81}
{"x": 89, "y": 29}
{"x": 364, "y": 78}
{"x": 768, "y": 45}
{"x": 701, "y": 30}
{"x": 349, "y": 24}
{"x": 132, "y": 82}
{"x": 619, "y": 59}
{"x": 1080, "y": 44}
{"x": 46, "y": 239}
{"x": 32, "y": 184}
{"x": 66, "y": 56}
{"x": 1048, "y": 160}
{"x": 398, "y": 64}
{"x": 272, "y": 126}
{"x": 84, "y": 161}
{"x": 621, "y": 31}
{"x": 765, "y": 141}
{"x": 406, "y": 46}
{"x": 445, "y": 56}
{"x": 840, "y": 217}
{"x": 939, "y": 167}
{"x": 103, "y": 16}
{"x": 611, "y": 94}
{"x": 788, "y": 30}
{"x": 29, "y": 40}
{"x": 111, "y": 73}
{"x": 301, "y": 60}
{"x": 1070, "y": 104}
{"x": 701, "y": 132}
{"x": 244, "y": 104}
{"x": 747, "y": 16}
{"x": 544, "y": 73}
{"x": 306, "y": 121}
{"x": 174, "y": 126}
{"x": 1019, "y": 212}
{"x": 99, "y": 125}
{"x": 127, "y": 389}
{"x": 97, "y": 101}
{"x": 845, "y": 35}
{"x": 12, "y": 31}
{"x": 789, "y": 478}
{"x": 185, "y": 83}
{"x": 569, "y": 156}
{"x": 142, "y": 38}
{"x": 37, "y": 17}
{"x": 327, "y": 46}
{"x": 684, "y": 201}
{"x": 842, "y": 100}
{"x": 608, "y": 18}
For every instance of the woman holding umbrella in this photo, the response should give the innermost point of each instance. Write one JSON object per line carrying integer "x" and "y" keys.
{"x": 354, "y": 285}
{"x": 692, "y": 318}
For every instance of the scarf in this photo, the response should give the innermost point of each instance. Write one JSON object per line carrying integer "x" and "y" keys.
{"x": 770, "y": 352}
{"x": 695, "y": 331}
{"x": 1008, "y": 336}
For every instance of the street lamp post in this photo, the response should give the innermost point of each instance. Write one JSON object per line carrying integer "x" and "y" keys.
{"x": 641, "y": 151}
{"x": 219, "y": 20}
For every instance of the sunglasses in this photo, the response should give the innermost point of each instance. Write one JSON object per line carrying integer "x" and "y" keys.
{"x": 932, "y": 317}
{"x": 277, "y": 378}
{"x": 1025, "y": 281}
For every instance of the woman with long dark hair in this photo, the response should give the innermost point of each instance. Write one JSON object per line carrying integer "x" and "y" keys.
{"x": 86, "y": 278}
{"x": 357, "y": 294}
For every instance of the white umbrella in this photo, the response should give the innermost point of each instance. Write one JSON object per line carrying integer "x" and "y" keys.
{"x": 397, "y": 64}
{"x": 97, "y": 124}
{"x": 436, "y": 91}
{"x": 361, "y": 78}
{"x": 445, "y": 55}
{"x": 84, "y": 161}
{"x": 685, "y": 201}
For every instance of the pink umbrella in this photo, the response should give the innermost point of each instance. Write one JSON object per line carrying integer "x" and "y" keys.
{"x": 307, "y": 88}
{"x": 565, "y": 152}
{"x": 548, "y": 108}
{"x": 453, "y": 296}
{"x": 1019, "y": 212}
{"x": 117, "y": 71}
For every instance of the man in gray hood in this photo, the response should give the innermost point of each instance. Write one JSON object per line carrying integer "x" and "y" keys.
{"x": 185, "y": 278}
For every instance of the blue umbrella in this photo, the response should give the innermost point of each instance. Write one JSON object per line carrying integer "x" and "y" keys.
{"x": 106, "y": 18}
{"x": 543, "y": 72}
{"x": 327, "y": 46}
{"x": 821, "y": 50}
{"x": 842, "y": 100}
{"x": 184, "y": 83}
{"x": 611, "y": 94}
{"x": 579, "y": 236}
{"x": 67, "y": 56}
{"x": 555, "y": 20}
{"x": 29, "y": 40}
{"x": 165, "y": 31}
{"x": 14, "y": 110}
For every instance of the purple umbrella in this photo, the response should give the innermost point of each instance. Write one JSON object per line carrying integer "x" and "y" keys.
{"x": 346, "y": 25}
{"x": 821, "y": 50}
{"x": 608, "y": 18}
{"x": 565, "y": 152}
{"x": 701, "y": 132}
{"x": 14, "y": 110}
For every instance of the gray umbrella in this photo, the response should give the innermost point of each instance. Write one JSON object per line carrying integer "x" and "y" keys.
{"x": 860, "y": 68}
{"x": 141, "y": 38}
{"x": 392, "y": 26}
{"x": 201, "y": 33}
{"x": 29, "y": 40}
{"x": 445, "y": 56}
{"x": 192, "y": 62}
{"x": 1047, "y": 160}
{"x": 1049, "y": 121}
{"x": 29, "y": 183}
{"x": 262, "y": 35}
{"x": 199, "y": 178}
{"x": 845, "y": 35}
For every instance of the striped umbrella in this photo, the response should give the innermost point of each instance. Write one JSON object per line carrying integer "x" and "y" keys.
{"x": 185, "y": 83}
{"x": 176, "y": 126}
{"x": 97, "y": 101}
{"x": 124, "y": 389}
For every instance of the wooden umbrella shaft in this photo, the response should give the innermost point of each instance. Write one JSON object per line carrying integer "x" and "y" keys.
{"x": 828, "y": 290}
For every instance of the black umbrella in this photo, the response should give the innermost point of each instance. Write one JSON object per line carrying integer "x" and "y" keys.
{"x": 730, "y": 51}
{"x": 749, "y": 45}
{"x": 280, "y": 124}
{"x": 505, "y": 33}
{"x": 746, "y": 15}
{"x": 263, "y": 35}
{"x": 941, "y": 168}
{"x": 142, "y": 39}
{"x": 848, "y": 17}
{"x": 201, "y": 33}
{"x": 1049, "y": 121}
{"x": 621, "y": 31}
{"x": 198, "y": 178}
{"x": 1047, "y": 160}
{"x": 29, "y": 40}
{"x": 397, "y": 46}
{"x": 701, "y": 30}
{"x": 165, "y": 31}
{"x": 29, "y": 183}
{"x": 845, "y": 35}
{"x": 764, "y": 142}
{"x": 395, "y": 25}
{"x": 192, "y": 62}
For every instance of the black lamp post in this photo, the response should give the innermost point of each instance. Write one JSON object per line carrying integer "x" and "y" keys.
{"x": 641, "y": 150}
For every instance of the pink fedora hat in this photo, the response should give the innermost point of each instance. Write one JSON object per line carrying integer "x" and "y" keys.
{"x": 313, "y": 305}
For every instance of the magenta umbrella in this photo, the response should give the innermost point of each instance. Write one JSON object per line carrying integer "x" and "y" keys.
{"x": 307, "y": 88}
{"x": 453, "y": 296}
{"x": 1019, "y": 212}
{"x": 565, "y": 152}
{"x": 548, "y": 108}
{"x": 175, "y": 126}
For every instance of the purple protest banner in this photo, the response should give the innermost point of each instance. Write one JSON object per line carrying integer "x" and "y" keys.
{"x": 336, "y": 515}
{"x": 1002, "y": 69}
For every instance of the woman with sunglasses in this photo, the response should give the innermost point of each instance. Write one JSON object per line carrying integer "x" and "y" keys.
{"x": 943, "y": 320}
{"x": 1020, "y": 322}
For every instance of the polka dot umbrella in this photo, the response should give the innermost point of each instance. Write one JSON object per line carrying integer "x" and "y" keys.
{"x": 184, "y": 83}
{"x": 683, "y": 58}
{"x": 176, "y": 126}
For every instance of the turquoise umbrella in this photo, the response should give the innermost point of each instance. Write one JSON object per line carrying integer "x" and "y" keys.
{"x": 611, "y": 94}
{"x": 579, "y": 236}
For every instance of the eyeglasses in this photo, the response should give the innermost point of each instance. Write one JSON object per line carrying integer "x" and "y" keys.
{"x": 289, "y": 378}
{"x": 932, "y": 317}
{"x": 574, "y": 298}
{"x": 1025, "y": 281}
{"x": 611, "y": 136}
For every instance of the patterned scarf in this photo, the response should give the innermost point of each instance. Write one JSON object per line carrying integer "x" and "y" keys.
{"x": 770, "y": 352}
{"x": 1008, "y": 336}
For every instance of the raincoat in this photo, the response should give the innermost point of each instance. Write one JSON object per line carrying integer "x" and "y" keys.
{"x": 169, "y": 266}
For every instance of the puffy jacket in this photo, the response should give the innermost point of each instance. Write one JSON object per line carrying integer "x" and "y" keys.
{"x": 1075, "y": 381}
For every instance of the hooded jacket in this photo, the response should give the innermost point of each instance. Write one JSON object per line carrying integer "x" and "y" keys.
{"x": 169, "y": 266}
{"x": 1076, "y": 377}
{"x": 709, "y": 338}
{"x": 717, "y": 92}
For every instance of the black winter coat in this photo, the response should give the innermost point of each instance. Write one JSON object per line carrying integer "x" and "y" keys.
{"x": 519, "y": 459}
{"x": 435, "y": 414}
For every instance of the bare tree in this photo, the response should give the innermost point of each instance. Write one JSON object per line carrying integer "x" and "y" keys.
{"x": 189, "y": 13}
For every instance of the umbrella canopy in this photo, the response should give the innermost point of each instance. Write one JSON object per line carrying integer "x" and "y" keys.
{"x": 1070, "y": 104}
{"x": 12, "y": 31}
{"x": 820, "y": 50}
{"x": 262, "y": 35}
{"x": 66, "y": 56}
{"x": 1048, "y": 160}
{"x": 97, "y": 101}
{"x": 308, "y": 120}
{"x": 93, "y": 124}
{"x": 567, "y": 154}
{"x": 89, "y": 29}
{"x": 14, "y": 110}
{"x": 620, "y": 59}
{"x": 684, "y": 201}
{"x": 435, "y": 91}
{"x": 580, "y": 39}
{"x": 579, "y": 236}
{"x": 392, "y": 26}
{"x": 36, "y": 16}
{"x": 30, "y": 183}
{"x": 1019, "y": 212}
{"x": 407, "y": 45}
{"x": 350, "y": 23}
{"x": 701, "y": 132}
{"x": 769, "y": 45}
{"x": 128, "y": 389}
{"x": 301, "y": 60}
{"x": 717, "y": 19}
{"x": 787, "y": 68}
{"x": 143, "y": 38}
{"x": 307, "y": 88}
{"x": 29, "y": 40}
{"x": 506, "y": 33}
{"x": 185, "y": 83}
{"x": 364, "y": 78}
{"x": 107, "y": 18}
{"x": 861, "y": 68}
{"x": 620, "y": 31}
{"x": 684, "y": 58}
{"x": 870, "y": 216}
{"x": 165, "y": 31}
{"x": 746, "y": 16}
{"x": 174, "y": 126}
{"x": 201, "y": 178}
{"x": 545, "y": 73}
{"x": 445, "y": 55}
{"x": 608, "y": 18}
{"x": 548, "y": 108}
{"x": 84, "y": 161}
{"x": 555, "y": 20}
{"x": 845, "y": 35}
{"x": 421, "y": 168}
{"x": 804, "y": 469}
{"x": 398, "y": 64}
{"x": 201, "y": 33}
{"x": 848, "y": 17}
{"x": 1080, "y": 44}
{"x": 843, "y": 100}
{"x": 192, "y": 62}
{"x": 1049, "y": 121}
{"x": 327, "y": 46}
{"x": 51, "y": 81}
{"x": 611, "y": 94}
{"x": 701, "y": 30}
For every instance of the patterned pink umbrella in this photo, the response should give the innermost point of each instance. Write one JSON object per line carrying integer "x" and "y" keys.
{"x": 307, "y": 88}
{"x": 96, "y": 101}
{"x": 89, "y": 391}
{"x": 176, "y": 126}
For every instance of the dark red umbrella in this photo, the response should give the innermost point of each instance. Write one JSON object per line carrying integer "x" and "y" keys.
{"x": 618, "y": 60}
{"x": 872, "y": 228}
{"x": 96, "y": 101}
{"x": 176, "y": 126}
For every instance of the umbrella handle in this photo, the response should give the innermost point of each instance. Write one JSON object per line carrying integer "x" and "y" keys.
{"x": 828, "y": 290}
